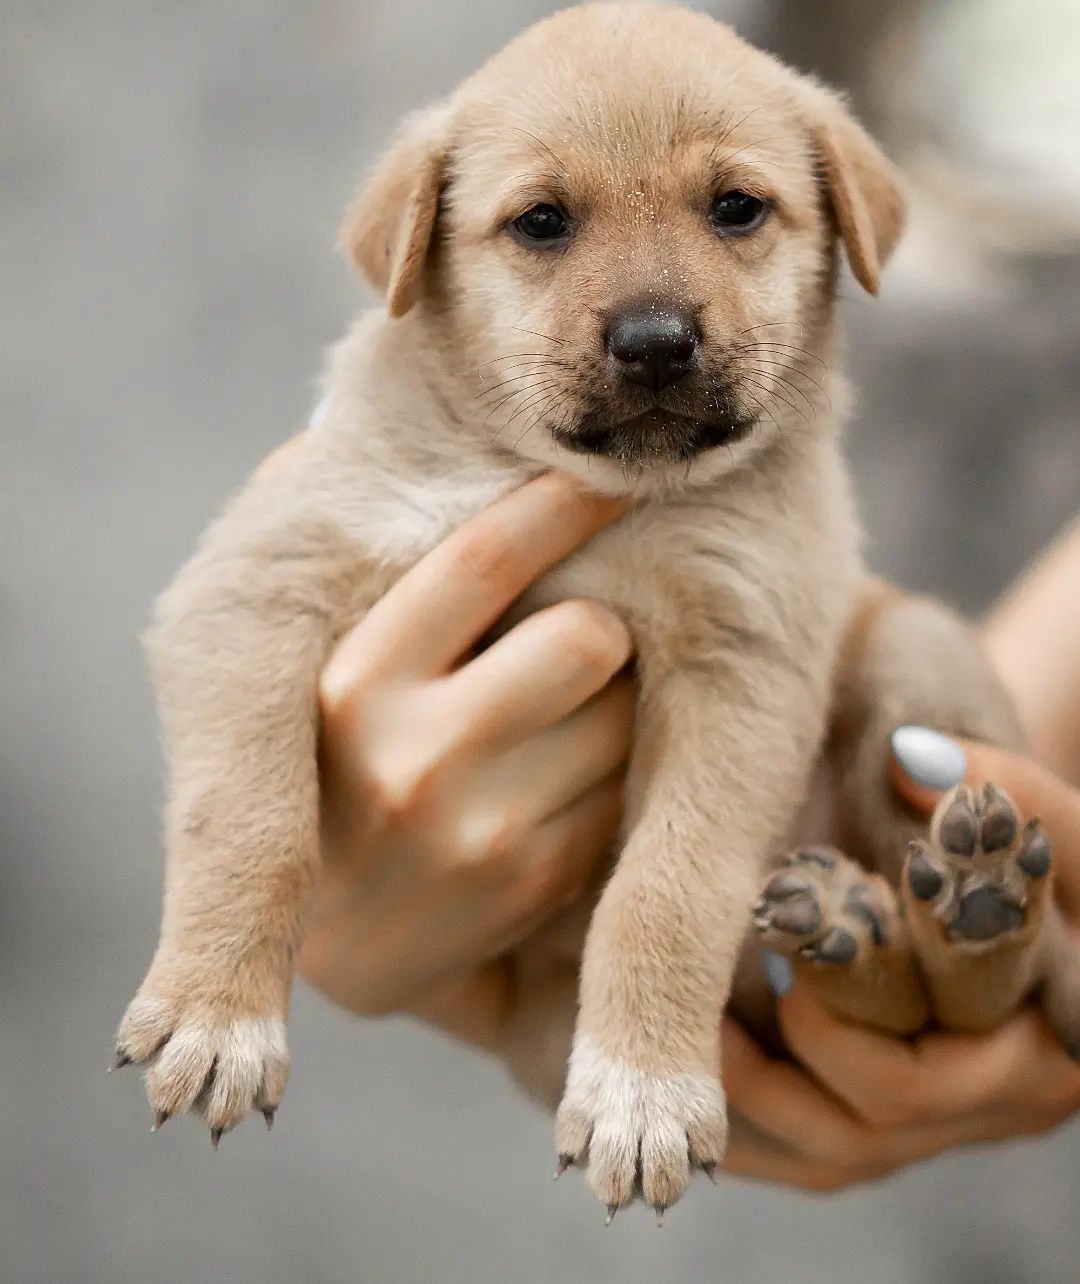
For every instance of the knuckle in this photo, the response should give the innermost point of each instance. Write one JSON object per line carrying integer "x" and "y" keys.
{"x": 340, "y": 688}
{"x": 824, "y": 1183}
{"x": 491, "y": 840}
{"x": 396, "y": 791}
{"x": 335, "y": 696}
{"x": 853, "y": 1148}
{"x": 894, "y": 1104}
{"x": 592, "y": 638}
{"x": 886, "y": 1113}
{"x": 484, "y": 551}
{"x": 540, "y": 884}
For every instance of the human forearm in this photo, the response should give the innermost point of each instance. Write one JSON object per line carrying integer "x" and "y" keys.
{"x": 1031, "y": 636}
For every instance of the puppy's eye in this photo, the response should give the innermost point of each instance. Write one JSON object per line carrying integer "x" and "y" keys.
{"x": 736, "y": 213}
{"x": 541, "y": 223}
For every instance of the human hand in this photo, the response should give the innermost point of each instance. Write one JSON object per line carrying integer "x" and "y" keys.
{"x": 466, "y": 798}
{"x": 858, "y": 1104}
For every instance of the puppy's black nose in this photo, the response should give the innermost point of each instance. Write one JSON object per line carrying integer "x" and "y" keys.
{"x": 653, "y": 348}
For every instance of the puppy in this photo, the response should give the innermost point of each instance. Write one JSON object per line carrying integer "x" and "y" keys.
{"x": 613, "y": 250}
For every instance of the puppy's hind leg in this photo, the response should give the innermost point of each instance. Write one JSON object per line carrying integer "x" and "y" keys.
{"x": 979, "y": 902}
{"x": 977, "y": 895}
{"x": 846, "y": 939}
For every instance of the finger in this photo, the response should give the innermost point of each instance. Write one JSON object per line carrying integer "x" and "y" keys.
{"x": 1035, "y": 790}
{"x": 783, "y": 1101}
{"x": 762, "y": 1163}
{"x": 562, "y": 763}
{"x": 811, "y": 1128}
{"x": 451, "y": 597}
{"x": 892, "y": 1082}
{"x": 539, "y": 672}
{"x": 471, "y": 1005}
{"x": 561, "y": 856}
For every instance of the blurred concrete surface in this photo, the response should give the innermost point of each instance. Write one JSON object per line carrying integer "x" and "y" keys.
{"x": 172, "y": 178}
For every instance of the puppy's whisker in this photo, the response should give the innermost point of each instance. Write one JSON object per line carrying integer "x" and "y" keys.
{"x": 516, "y": 392}
{"x": 509, "y": 356}
{"x": 775, "y": 362}
{"x": 541, "y": 411}
{"x": 795, "y": 391}
{"x": 771, "y": 377}
{"x": 530, "y": 373}
{"x": 533, "y": 388}
{"x": 537, "y": 335}
{"x": 514, "y": 363}
{"x": 774, "y": 345}
{"x": 758, "y": 407}
{"x": 537, "y": 398}
{"x": 771, "y": 325}
{"x": 774, "y": 395}
{"x": 519, "y": 390}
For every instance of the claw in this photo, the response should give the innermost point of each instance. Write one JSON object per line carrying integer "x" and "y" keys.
{"x": 661, "y": 1209}
{"x": 612, "y": 1209}
{"x": 268, "y": 1114}
{"x": 122, "y": 1059}
{"x": 710, "y": 1168}
{"x": 215, "y": 1136}
{"x": 160, "y": 1118}
{"x": 564, "y": 1163}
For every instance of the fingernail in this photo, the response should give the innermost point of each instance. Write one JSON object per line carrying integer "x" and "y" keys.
{"x": 778, "y": 973}
{"x": 929, "y": 758}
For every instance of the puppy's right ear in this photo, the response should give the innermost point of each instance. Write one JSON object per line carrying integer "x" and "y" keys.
{"x": 388, "y": 229}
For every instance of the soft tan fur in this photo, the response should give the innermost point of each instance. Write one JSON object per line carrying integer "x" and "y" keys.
{"x": 737, "y": 569}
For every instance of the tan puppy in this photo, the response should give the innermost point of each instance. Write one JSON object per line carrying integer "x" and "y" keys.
{"x": 613, "y": 250}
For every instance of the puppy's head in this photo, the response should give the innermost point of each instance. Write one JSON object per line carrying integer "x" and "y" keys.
{"x": 622, "y": 233}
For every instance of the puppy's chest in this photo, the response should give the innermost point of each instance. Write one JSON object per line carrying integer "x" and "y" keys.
{"x": 677, "y": 572}
{"x": 662, "y": 571}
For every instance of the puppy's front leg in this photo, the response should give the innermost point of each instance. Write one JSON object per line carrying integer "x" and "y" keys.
{"x": 236, "y": 650}
{"x": 718, "y": 763}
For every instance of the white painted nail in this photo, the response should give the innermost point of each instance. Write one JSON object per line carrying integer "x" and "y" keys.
{"x": 929, "y": 758}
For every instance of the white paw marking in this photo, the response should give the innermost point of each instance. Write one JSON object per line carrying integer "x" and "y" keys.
{"x": 626, "y": 1120}
{"x": 222, "y": 1071}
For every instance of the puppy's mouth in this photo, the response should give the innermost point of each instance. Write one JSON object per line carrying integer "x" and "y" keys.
{"x": 655, "y": 436}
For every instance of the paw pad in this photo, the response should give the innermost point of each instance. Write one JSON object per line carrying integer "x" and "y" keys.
{"x": 823, "y": 907}
{"x": 973, "y": 873}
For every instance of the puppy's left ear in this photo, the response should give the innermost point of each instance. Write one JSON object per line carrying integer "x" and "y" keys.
{"x": 388, "y": 230}
{"x": 865, "y": 192}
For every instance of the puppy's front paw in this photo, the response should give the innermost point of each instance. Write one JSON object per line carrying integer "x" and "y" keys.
{"x": 637, "y": 1132}
{"x": 206, "y": 1052}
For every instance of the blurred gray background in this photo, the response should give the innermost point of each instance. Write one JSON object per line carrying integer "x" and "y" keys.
{"x": 172, "y": 176}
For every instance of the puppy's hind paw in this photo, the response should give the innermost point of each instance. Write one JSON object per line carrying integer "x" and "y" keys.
{"x": 982, "y": 872}
{"x": 824, "y": 909}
